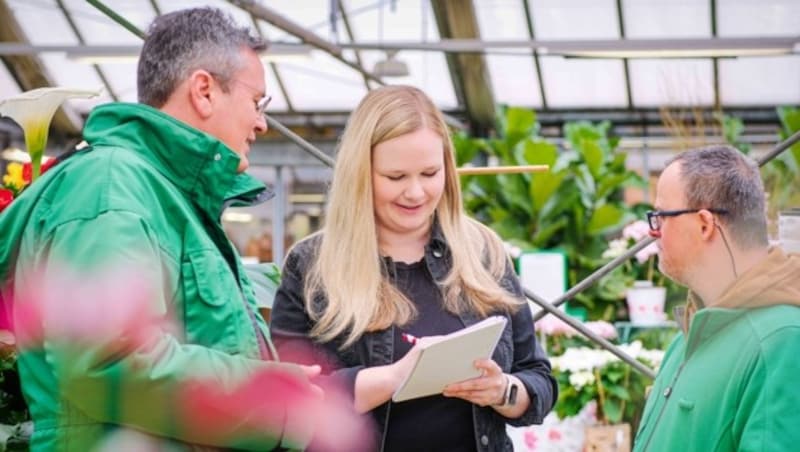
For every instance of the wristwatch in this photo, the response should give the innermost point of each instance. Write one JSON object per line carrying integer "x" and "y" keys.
{"x": 510, "y": 394}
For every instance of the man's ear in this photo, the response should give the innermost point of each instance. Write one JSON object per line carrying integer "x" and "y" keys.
{"x": 707, "y": 224}
{"x": 201, "y": 92}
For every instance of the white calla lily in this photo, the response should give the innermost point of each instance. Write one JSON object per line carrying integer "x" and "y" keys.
{"x": 33, "y": 110}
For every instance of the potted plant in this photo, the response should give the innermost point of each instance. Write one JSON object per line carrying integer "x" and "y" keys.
{"x": 638, "y": 280}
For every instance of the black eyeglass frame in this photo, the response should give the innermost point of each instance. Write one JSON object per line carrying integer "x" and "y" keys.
{"x": 653, "y": 215}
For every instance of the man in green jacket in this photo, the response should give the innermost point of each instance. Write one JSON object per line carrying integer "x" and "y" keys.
{"x": 728, "y": 381}
{"x": 146, "y": 197}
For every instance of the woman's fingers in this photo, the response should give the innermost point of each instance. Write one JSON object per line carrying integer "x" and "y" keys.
{"x": 488, "y": 389}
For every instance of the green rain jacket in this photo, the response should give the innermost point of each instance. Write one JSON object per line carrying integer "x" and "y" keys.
{"x": 730, "y": 382}
{"x": 147, "y": 193}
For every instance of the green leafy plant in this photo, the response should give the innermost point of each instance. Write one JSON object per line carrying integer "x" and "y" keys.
{"x": 573, "y": 207}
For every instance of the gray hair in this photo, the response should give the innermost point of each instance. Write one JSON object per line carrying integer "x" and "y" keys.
{"x": 721, "y": 177}
{"x": 184, "y": 41}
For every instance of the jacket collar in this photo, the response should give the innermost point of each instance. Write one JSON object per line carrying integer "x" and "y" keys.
{"x": 196, "y": 162}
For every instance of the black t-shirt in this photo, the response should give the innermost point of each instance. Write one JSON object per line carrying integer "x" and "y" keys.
{"x": 434, "y": 423}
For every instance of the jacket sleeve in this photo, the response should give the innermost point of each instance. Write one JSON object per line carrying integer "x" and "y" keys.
{"x": 768, "y": 417}
{"x": 530, "y": 364}
{"x": 138, "y": 376}
{"x": 290, "y": 325}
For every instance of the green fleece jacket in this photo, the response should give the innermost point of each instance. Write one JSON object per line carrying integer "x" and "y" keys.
{"x": 730, "y": 382}
{"x": 147, "y": 194}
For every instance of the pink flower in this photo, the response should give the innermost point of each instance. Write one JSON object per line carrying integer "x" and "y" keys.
{"x": 530, "y": 439}
{"x": 113, "y": 309}
{"x": 636, "y": 230}
{"x": 269, "y": 400}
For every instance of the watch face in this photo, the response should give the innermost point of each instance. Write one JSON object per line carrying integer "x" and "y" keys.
{"x": 512, "y": 394}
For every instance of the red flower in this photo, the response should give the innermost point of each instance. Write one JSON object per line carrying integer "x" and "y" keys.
{"x": 27, "y": 173}
{"x": 27, "y": 169}
{"x": 6, "y": 196}
{"x": 48, "y": 164}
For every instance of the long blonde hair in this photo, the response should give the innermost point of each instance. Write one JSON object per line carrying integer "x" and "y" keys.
{"x": 347, "y": 269}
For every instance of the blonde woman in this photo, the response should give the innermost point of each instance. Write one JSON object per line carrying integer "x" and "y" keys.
{"x": 398, "y": 255}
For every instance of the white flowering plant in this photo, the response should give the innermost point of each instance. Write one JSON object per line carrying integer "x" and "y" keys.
{"x": 587, "y": 374}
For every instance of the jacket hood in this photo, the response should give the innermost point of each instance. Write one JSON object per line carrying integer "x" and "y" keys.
{"x": 775, "y": 280}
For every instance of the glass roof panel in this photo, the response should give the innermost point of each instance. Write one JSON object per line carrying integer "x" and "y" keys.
{"x": 575, "y": 19}
{"x": 319, "y": 83}
{"x": 122, "y": 77}
{"x": 402, "y": 22}
{"x": 278, "y": 102}
{"x": 391, "y": 21}
{"x": 97, "y": 28}
{"x": 311, "y": 14}
{"x": 35, "y": 17}
{"x": 575, "y": 83}
{"x": 8, "y": 86}
{"x": 512, "y": 71}
{"x": 670, "y": 19}
{"x": 671, "y": 82}
{"x": 760, "y": 81}
{"x": 427, "y": 71}
{"x": 758, "y": 17}
{"x": 514, "y": 79}
{"x": 501, "y": 19}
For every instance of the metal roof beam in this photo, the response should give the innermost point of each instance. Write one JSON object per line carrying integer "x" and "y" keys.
{"x": 536, "y": 61}
{"x": 456, "y": 19}
{"x": 351, "y": 36}
{"x": 271, "y": 16}
{"x": 625, "y": 65}
{"x": 74, "y": 27}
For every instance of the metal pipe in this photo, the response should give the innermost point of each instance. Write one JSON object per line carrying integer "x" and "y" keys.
{"x": 602, "y": 271}
{"x": 590, "y": 334}
{"x": 305, "y": 145}
{"x": 117, "y": 18}
{"x": 782, "y": 146}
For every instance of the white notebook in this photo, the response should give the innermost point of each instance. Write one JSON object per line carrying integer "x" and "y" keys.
{"x": 449, "y": 359}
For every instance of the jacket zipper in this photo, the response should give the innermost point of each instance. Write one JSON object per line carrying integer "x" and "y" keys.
{"x": 668, "y": 391}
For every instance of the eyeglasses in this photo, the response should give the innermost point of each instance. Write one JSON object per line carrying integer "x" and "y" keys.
{"x": 654, "y": 217}
{"x": 260, "y": 104}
